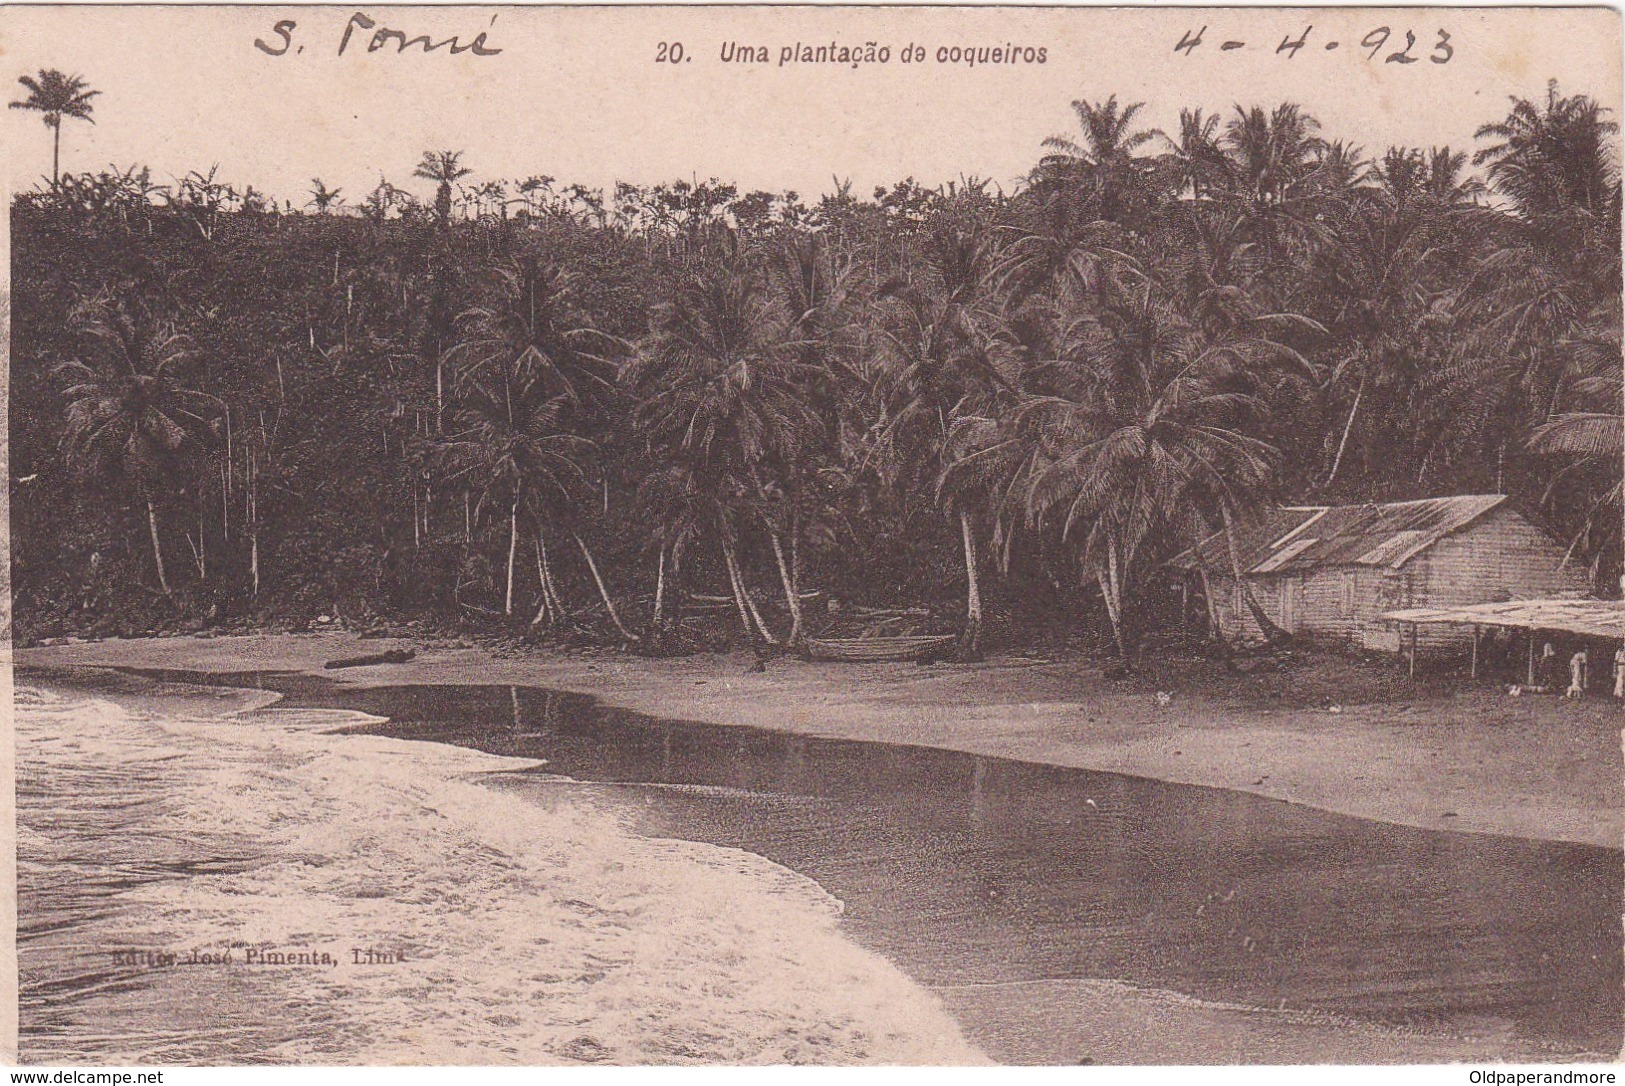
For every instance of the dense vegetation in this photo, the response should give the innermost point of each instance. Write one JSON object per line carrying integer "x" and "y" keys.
{"x": 529, "y": 407}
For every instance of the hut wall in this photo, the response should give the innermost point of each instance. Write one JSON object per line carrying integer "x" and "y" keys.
{"x": 1500, "y": 557}
{"x": 1338, "y": 603}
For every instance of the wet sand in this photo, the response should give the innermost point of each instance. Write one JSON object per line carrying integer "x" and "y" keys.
{"x": 1468, "y": 759}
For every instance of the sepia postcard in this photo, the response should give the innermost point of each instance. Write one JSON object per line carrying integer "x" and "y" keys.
{"x": 813, "y": 535}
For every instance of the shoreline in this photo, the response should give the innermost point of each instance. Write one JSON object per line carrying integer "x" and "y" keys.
{"x": 644, "y": 951}
{"x": 1116, "y": 1022}
{"x": 1465, "y": 760}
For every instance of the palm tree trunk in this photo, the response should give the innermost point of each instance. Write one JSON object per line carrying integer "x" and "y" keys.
{"x": 157, "y": 549}
{"x": 738, "y": 589}
{"x": 253, "y": 525}
{"x": 1215, "y": 627}
{"x": 1266, "y": 625}
{"x": 226, "y": 471}
{"x": 1337, "y": 461}
{"x": 969, "y": 639}
{"x": 550, "y": 602}
{"x": 795, "y": 550}
{"x": 56, "y": 157}
{"x": 1111, "y": 587}
{"x": 541, "y": 584}
{"x": 609, "y": 604}
{"x": 750, "y": 602}
{"x": 660, "y": 595}
{"x": 202, "y": 543}
{"x": 513, "y": 550}
{"x": 791, "y": 596}
{"x": 1114, "y": 612}
{"x": 553, "y": 589}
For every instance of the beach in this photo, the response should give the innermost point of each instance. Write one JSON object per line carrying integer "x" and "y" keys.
{"x": 659, "y": 950}
{"x": 1439, "y": 756}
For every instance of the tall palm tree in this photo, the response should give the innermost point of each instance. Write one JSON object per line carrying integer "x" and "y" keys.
{"x": 530, "y": 371}
{"x": 129, "y": 415}
{"x": 721, "y": 386}
{"x": 1543, "y": 275}
{"x": 55, "y": 96}
{"x": 1552, "y": 159}
{"x": 1388, "y": 314}
{"x": 1273, "y": 157}
{"x": 514, "y": 445}
{"x": 445, "y": 168}
{"x": 817, "y": 293}
{"x": 1139, "y": 427}
{"x": 1589, "y": 433}
{"x": 945, "y": 351}
{"x": 1100, "y": 167}
{"x": 1199, "y": 161}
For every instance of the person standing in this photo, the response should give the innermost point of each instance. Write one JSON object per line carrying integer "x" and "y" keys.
{"x": 1577, "y": 675}
{"x": 1547, "y": 671}
{"x": 1619, "y": 671}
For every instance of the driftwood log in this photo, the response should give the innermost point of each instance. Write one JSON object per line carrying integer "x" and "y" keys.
{"x": 393, "y": 656}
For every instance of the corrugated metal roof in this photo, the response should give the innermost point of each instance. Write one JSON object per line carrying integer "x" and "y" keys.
{"x": 1285, "y": 554}
{"x": 1595, "y": 618}
{"x": 1386, "y": 535}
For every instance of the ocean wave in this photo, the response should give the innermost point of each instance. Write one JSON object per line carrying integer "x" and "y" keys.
{"x": 248, "y": 887}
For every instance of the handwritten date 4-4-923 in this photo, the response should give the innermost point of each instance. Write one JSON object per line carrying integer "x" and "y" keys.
{"x": 1375, "y": 41}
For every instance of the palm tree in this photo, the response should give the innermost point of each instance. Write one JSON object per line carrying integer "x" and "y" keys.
{"x": 1445, "y": 185}
{"x": 128, "y": 413}
{"x": 1101, "y": 169}
{"x": 720, "y": 388}
{"x": 322, "y": 197}
{"x": 445, "y": 169}
{"x": 1342, "y": 172}
{"x": 532, "y": 316}
{"x": 1590, "y": 433}
{"x": 530, "y": 371}
{"x": 493, "y": 194}
{"x": 818, "y": 295}
{"x": 55, "y": 96}
{"x": 1138, "y": 429}
{"x": 1273, "y": 157}
{"x": 514, "y": 445}
{"x": 1197, "y": 157}
{"x": 528, "y": 189}
{"x": 681, "y": 507}
{"x": 1553, "y": 160}
{"x": 945, "y": 351}
{"x": 1542, "y": 276}
{"x": 1387, "y": 311}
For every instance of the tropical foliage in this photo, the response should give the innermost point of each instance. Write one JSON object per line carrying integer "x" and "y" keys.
{"x": 679, "y": 415}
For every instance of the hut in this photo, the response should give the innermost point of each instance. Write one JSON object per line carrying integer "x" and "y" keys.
{"x": 1336, "y": 571}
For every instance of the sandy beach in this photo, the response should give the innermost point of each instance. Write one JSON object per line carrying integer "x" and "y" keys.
{"x": 1438, "y": 755}
{"x": 662, "y": 951}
